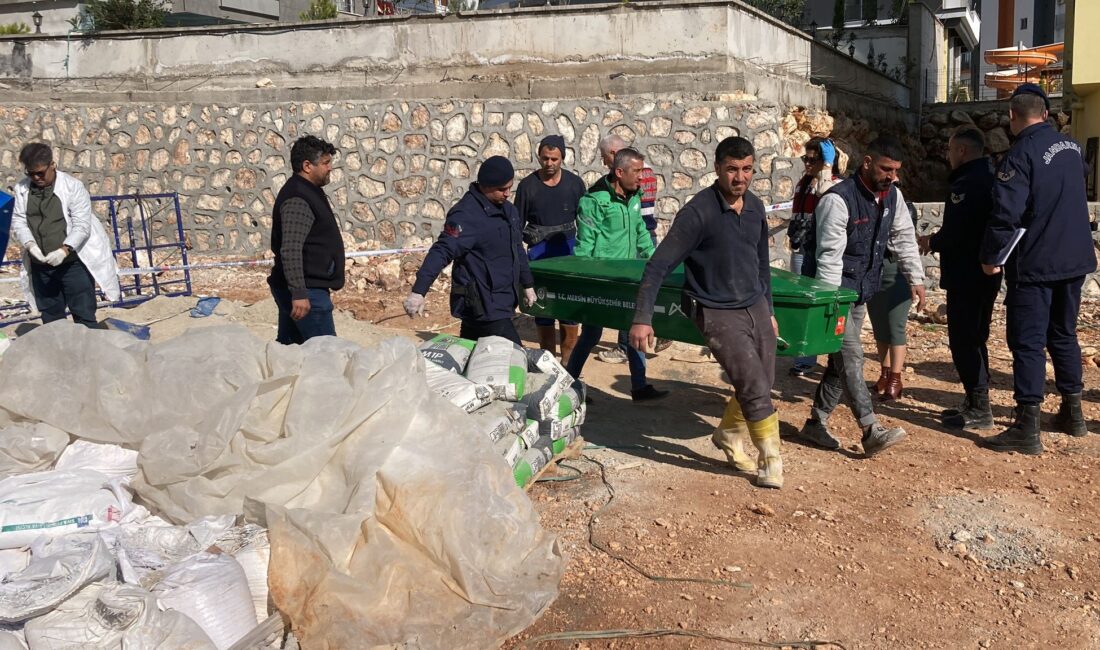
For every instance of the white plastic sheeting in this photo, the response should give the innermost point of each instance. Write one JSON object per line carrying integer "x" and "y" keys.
{"x": 391, "y": 519}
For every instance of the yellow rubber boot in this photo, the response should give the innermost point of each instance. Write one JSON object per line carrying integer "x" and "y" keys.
{"x": 765, "y": 435}
{"x": 730, "y": 436}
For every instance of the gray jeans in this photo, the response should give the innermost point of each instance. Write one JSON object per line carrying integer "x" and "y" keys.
{"x": 844, "y": 376}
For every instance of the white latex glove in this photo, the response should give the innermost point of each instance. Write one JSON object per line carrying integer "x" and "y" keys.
{"x": 56, "y": 257}
{"x": 414, "y": 305}
{"x": 529, "y": 297}
{"x": 34, "y": 251}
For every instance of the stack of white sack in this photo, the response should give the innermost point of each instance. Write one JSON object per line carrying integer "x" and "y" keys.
{"x": 386, "y": 516}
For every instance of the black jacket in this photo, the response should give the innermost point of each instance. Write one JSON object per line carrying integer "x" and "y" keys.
{"x": 966, "y": 214}
{"x": 485, "y": 243}
{"x": 1040, "y": 186}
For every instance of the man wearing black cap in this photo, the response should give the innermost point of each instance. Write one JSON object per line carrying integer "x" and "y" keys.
{"x": 1039, "y": 236}
{"x": 483, "y": 236}
{"x": 547, "y": 202}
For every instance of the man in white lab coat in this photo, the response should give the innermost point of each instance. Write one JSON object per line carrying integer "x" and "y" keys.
{"x": 65, "y": 248}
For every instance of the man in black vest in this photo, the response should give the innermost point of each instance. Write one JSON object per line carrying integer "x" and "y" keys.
{"x": 1039, "y": 236}
{"x": 308, "y": 247}
{"x": 971, "y": 293}
{"x": 854, "y": 224}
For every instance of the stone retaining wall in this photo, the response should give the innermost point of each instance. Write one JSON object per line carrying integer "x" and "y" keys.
{"x": 401, "y": 165}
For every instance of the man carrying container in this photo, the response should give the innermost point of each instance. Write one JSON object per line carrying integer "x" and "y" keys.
{"x": 721, "y": 237}
{"x": 855, "y": 223}
{"x": 483, "y": 237}
{"x": 610, "y": 226}
{"x": 547, "y": 203}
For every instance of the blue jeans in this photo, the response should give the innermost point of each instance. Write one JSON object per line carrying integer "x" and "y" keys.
{"x": 57, "y": 287}
{"x": 318, "y": 322}
{"x": 588, "y": 339}
{"x": 796, "y": 268}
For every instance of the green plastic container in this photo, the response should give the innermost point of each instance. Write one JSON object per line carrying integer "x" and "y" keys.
{"x": 811, "y": 314}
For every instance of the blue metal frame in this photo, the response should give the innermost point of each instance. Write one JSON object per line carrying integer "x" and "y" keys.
{"x": 134, "y": 291}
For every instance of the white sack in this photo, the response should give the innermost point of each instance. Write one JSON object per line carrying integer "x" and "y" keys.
{"x": 458, "y": 390}
{"x": 58, "y": 569}
{"x": 57, "y": 503}
{"x": 29, "y": 447}
{"x": 500, "y": 364}
{"x": 499, "y": 419}
{"x": 211, "y": 590}
{"x": 546, "y": 381}
{"x": 114, "y": 617}
{"x": 111, "y": 460}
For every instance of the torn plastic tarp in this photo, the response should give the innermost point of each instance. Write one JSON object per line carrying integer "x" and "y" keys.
{"x": 391, "y": 518}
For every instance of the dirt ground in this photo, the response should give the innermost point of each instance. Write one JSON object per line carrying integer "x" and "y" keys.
{"x": 936, "y": 543}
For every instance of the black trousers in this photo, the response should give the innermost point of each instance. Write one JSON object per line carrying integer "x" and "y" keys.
{"x": 1042, "y": 317}
{"x": 743, "y": 343}
{"x": 67, "y": 286}
{"x": 475, "y": 329}
{"x": 969, "y": 313}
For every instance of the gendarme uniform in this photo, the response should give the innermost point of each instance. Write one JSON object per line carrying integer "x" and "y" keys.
{"x": 1040, "y": 187}
{"x": 971, "y": 293}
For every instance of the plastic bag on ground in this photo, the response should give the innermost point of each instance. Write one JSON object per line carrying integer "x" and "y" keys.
{"x": 11, "y": 640}
{"x": 499, "y": 364}
{"x": 458, "y": 390}
{"x": 29, "y": 447}
{"x": 391, "y": 520}
{"x": 211, "y": 590}
{"x": 57, "y": 503}
{"x": 13, "y": 560}
{"x": 111, "y": 460}
{"x": 114, "y": 616}
{"x": 58, "y": 569}
{"x": 147, "y": 546}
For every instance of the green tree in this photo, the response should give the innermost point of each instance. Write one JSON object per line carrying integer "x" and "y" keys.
{"x": 319, "y": 10}
{"x": 109, "y": 15}
{"x": 14, "y": 28}
{"x": 789, "y": 11}
{"x": 838, "y": 14}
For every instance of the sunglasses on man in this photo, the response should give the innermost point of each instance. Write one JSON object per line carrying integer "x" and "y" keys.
{"x": 41, "y": 173}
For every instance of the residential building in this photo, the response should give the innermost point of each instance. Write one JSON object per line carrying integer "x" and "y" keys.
{"x": 1083, "y": 83}
{"x": 928, "y": 43}
{"x": 56, "y": 14}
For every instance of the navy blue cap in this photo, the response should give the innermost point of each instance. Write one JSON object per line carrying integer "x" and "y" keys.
{"x": 495, "y": 172}
{"x": 1032, "y": 89}
{"x": 554, "y": 142}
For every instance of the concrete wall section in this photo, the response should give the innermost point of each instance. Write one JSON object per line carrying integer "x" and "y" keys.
{"x": 706, "y": 34}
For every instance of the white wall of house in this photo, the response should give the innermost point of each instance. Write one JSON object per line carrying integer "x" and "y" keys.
{"x": 55, "y": 15}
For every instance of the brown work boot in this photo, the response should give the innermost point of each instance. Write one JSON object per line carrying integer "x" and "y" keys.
{"x": 569, "y": 334}
{"x": 892, "y": 391}
{"x": 548, "y": 338}
{"x": 883, "y": 378}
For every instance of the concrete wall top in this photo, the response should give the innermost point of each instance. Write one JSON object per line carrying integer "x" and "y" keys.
{"x": 707, "y": 33}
